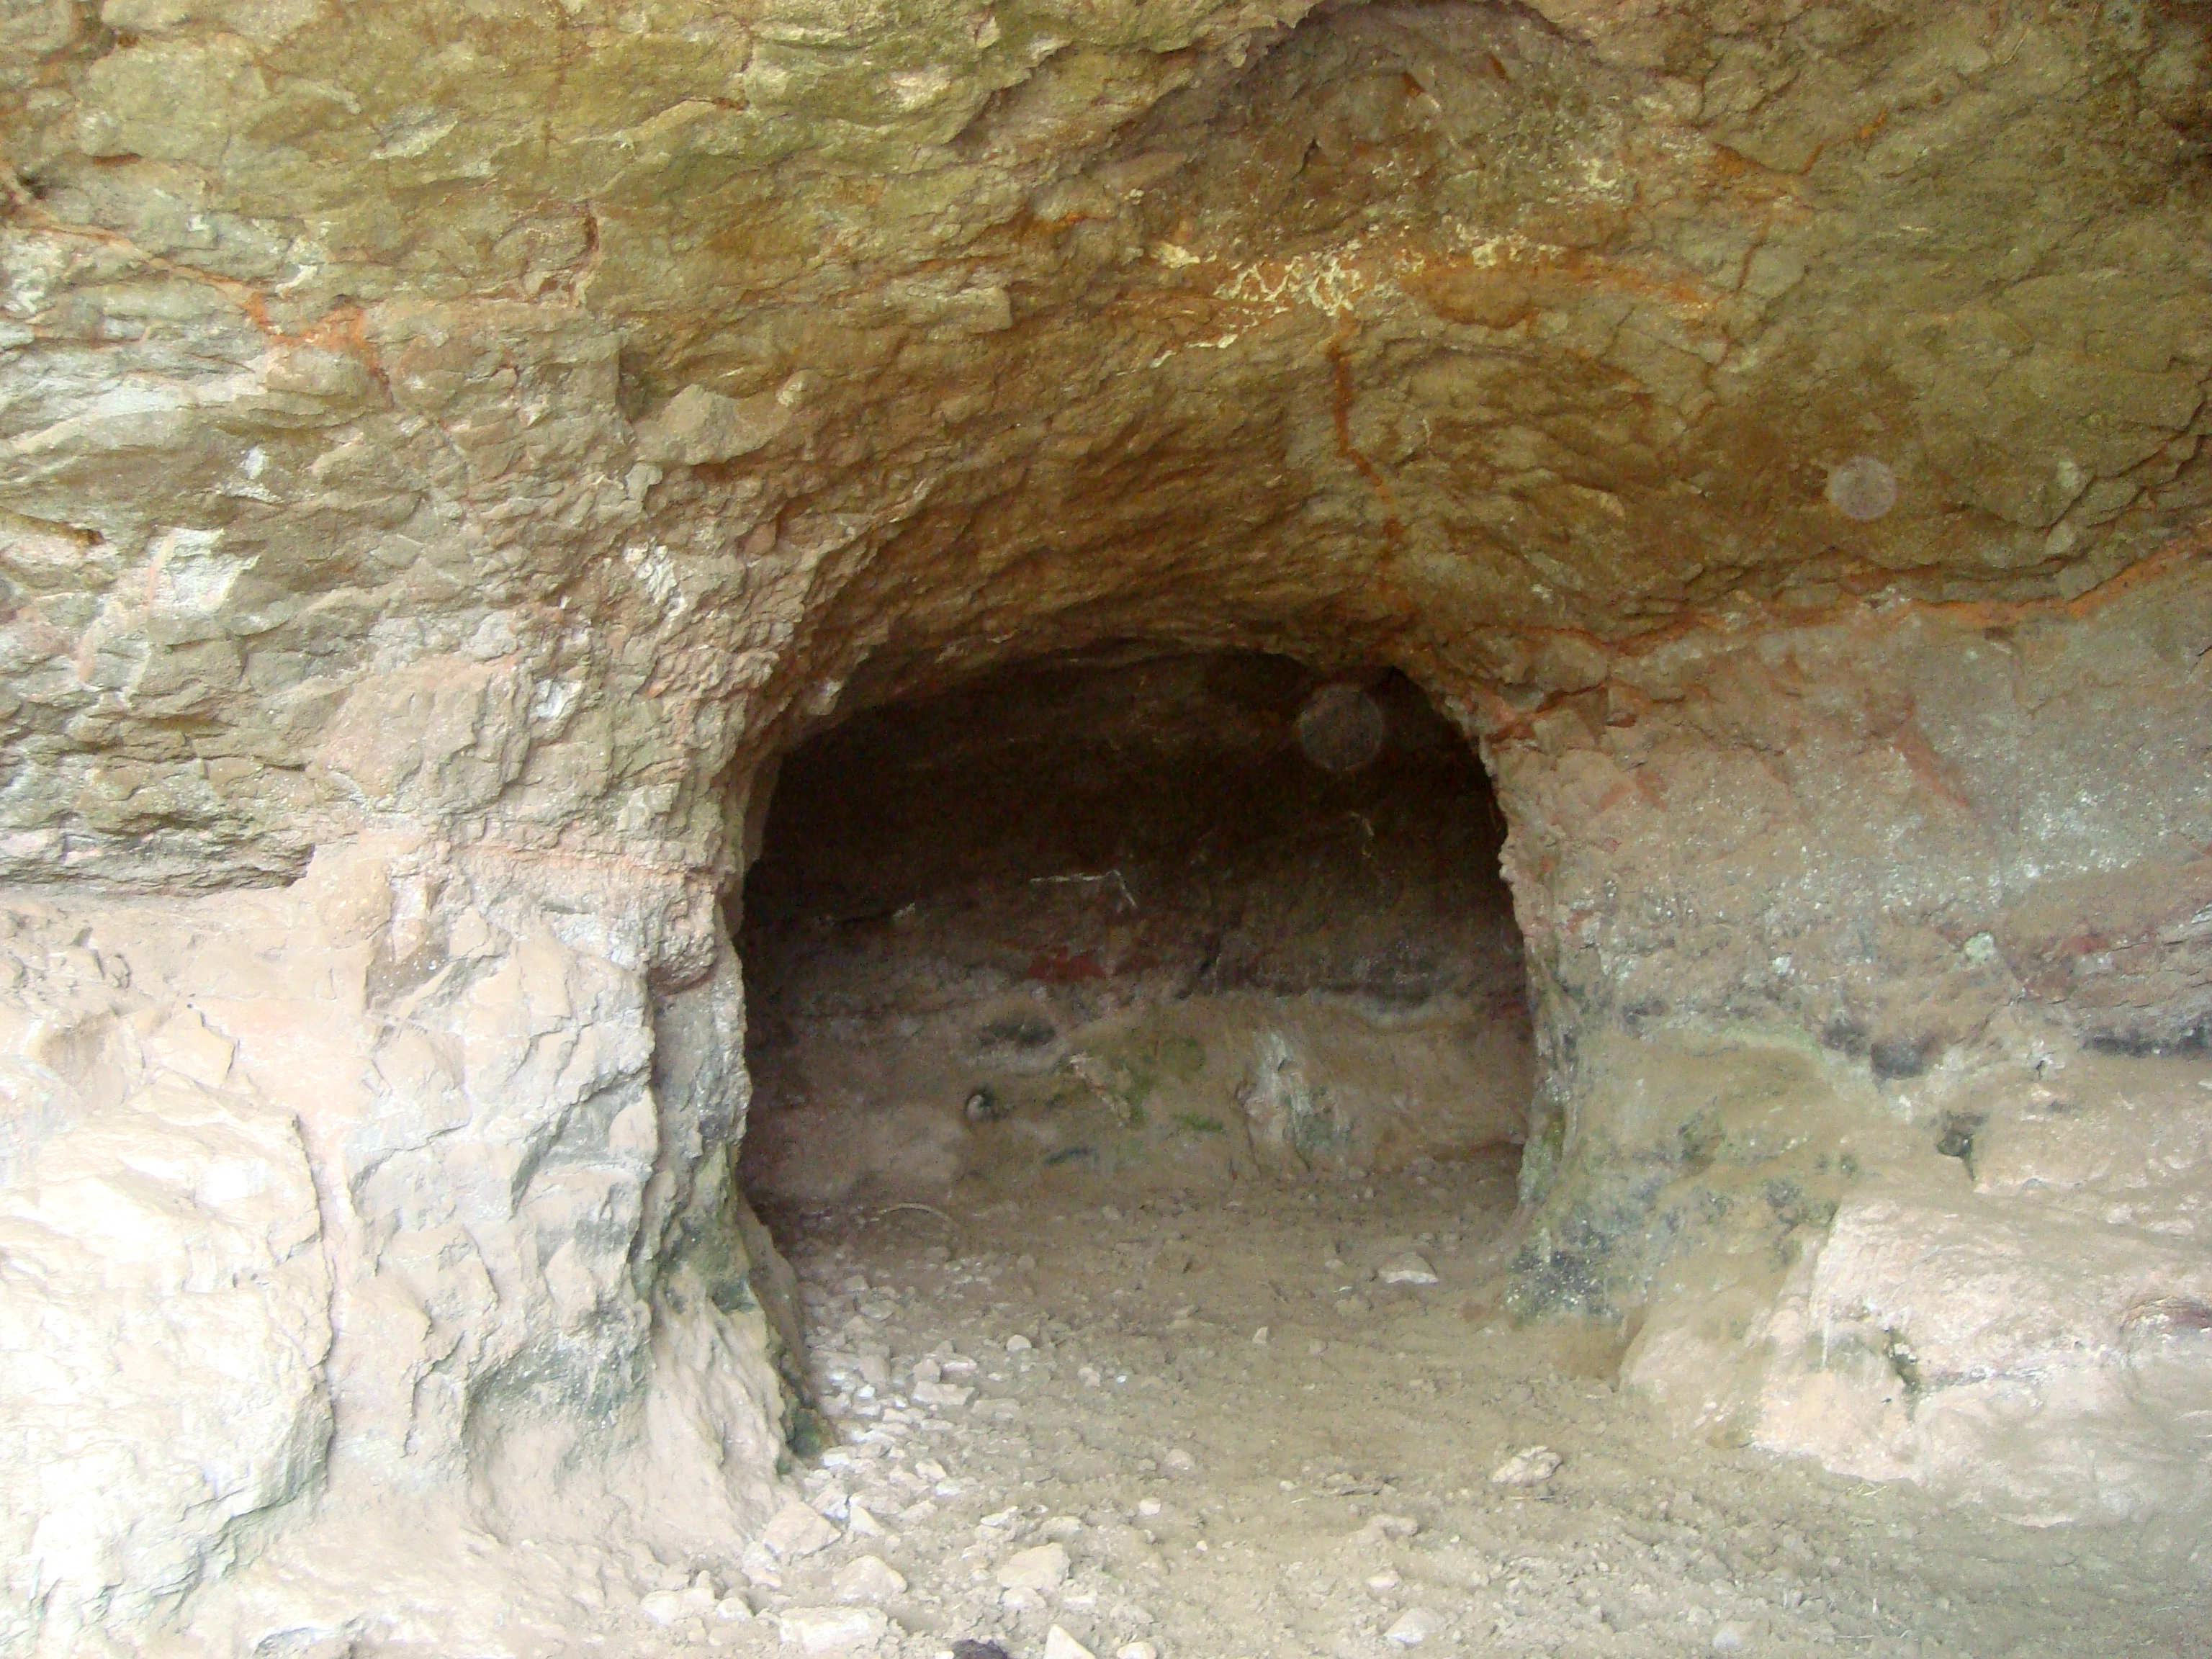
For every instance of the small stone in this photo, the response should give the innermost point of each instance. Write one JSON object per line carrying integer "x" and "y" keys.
{"x": 1377, "y": 1527}
{"x": 1136, "y": 1650}
{"x": 861, "y": 1521}
{"x": 1414, "y": 1626}
{"x": 1531, "y": 1467}
{"x": 943, "y": 1394}
{"x": 759, "y": 1566}
{"x": 1019, "y": 1344}
{"x": 1042, "y": 1568}
{"x": 868, "y": 1578}
{"x": 1410, "y": 1268}
{"x": 1180, "y": 1460}
{"x": 663, "y": 1607}
{"x": 1059, "y": 1644}
{"x": 733, "y": 1609}
{"x": 831, "y": 1630}
{"x": 1387, "y": 1579}
{"x": 1260, "y": 1337}
{"x": 1735, "y": 1636}
{"x": 798, "y": 1530}
{"x": 702, "y": 1594}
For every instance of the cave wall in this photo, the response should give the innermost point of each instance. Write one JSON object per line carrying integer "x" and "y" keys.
{"x": 1856, "y": 939}
{"x": 446, "y": 450}
{"x": 399, "y": 1188}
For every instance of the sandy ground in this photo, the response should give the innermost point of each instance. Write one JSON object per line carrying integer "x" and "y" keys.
{"x": 1205, "y": 1422}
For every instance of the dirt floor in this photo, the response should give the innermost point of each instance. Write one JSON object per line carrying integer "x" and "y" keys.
{"x": 1210, "y": 1423}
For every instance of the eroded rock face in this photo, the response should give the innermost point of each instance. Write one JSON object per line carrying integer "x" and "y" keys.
{"x": 445, "y": 451}
{"x": 410, "y": 1178}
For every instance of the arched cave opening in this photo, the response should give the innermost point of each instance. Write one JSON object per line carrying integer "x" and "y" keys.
{"x": 1156, "y": 921}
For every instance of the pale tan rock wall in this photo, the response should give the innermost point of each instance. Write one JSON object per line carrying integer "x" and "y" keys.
{"x": 410, "y": 1178}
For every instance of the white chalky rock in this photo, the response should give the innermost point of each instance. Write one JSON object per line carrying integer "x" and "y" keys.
{"x": 868, "y": 1578}
{"x": 1410, "y": 1268}
{"x": 942, "y": 1394}
{"x": 1530, "y": 1467}
{"x": 1059, "y": 1644}
{"x": 831, "y": 1630}
{"x": 1735, "y": 1636}
{"x": 1415, "y": 1626}
{"x": 1040, "y": 1569}
{"x": 1180, "y": 1460}
{"x": 663, "y": 1607}
{"x": 1136, "y": 1650}
{"x": 796, "y": 1531}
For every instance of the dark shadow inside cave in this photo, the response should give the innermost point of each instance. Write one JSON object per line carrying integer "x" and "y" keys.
{"x": 1173, "y": 920}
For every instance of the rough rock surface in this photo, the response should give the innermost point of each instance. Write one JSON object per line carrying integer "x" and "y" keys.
{"x": 446, "y": 452}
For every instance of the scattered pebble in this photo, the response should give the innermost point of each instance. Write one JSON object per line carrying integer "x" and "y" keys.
{"x": 1042, "y": 1568}
{"x": 1411, "y": 1269}
{"x": 1059, "y": 1644}
{"x": 832, "y": 1630}
{"x": 798, "y": 1530}
{"x": 1136, "y": 1650}
{"x": 1414, "y": 1626}
{"x": 1019, "y": 1344}
{"x": 1179, "y": 1461}
{"x": 868, "y": 1578}
{"x": 1735, "y": 1636}
{"x": 1530, "y": 1467}
{"x": 1378, "y": 1527}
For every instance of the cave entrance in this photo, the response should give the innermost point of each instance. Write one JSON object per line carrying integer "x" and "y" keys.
{"x": 1161, "y": 921}
{"x": 1140, "y": 1055}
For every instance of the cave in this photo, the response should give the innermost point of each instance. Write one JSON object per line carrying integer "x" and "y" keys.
{"x": 1146, "y": 829}
{"x": 1155, "y": 917}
